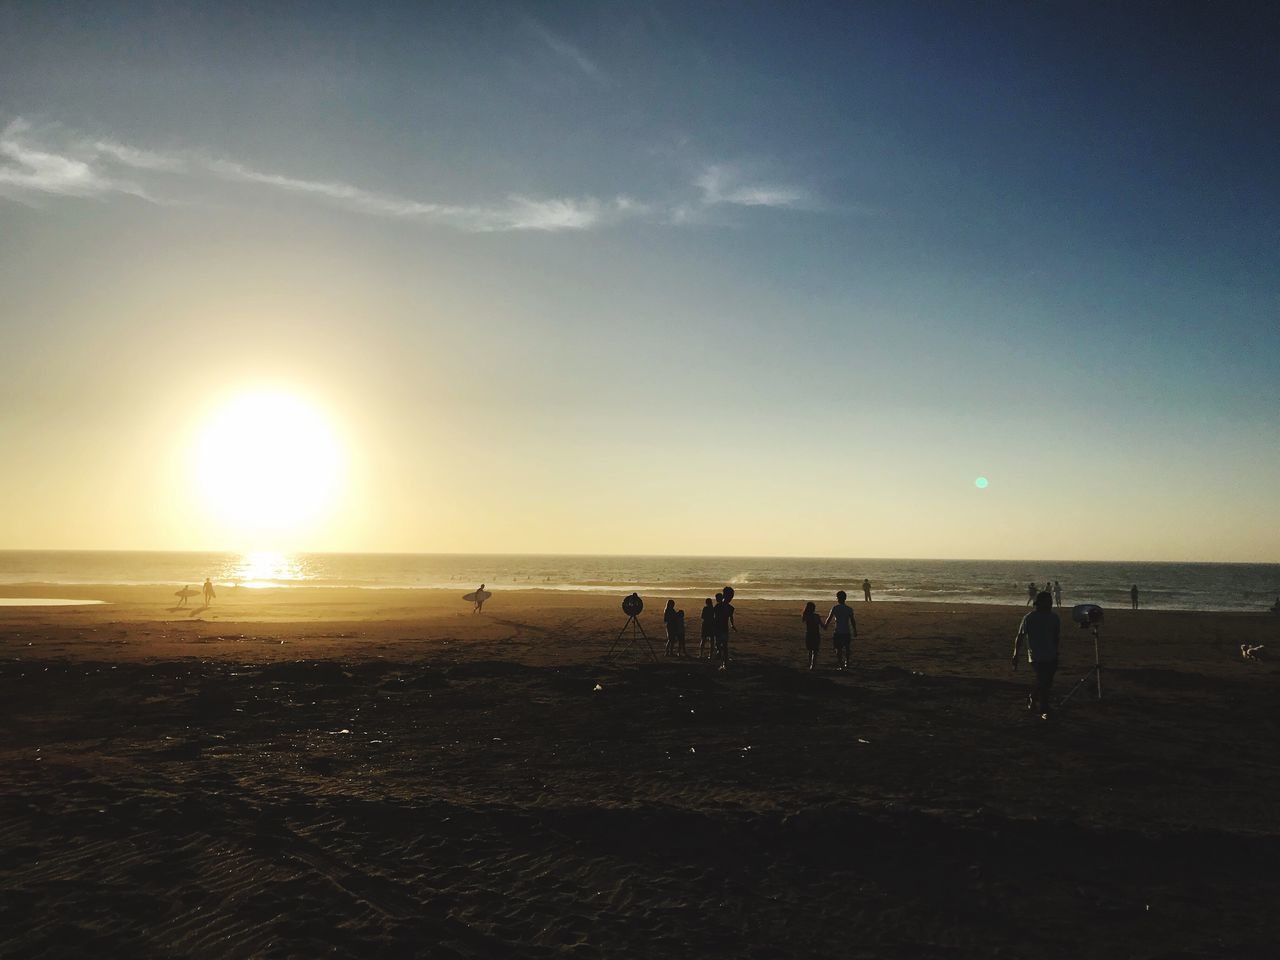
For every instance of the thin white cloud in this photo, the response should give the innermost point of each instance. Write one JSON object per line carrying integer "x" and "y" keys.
{"x": 725, "y": 183}
{"x": 27, "y": 167}
{"x": 133, "y": 157}
{"x": 51, "y": 162}
{"x": 516, "y": 213}
{"x": 564, "y": 49}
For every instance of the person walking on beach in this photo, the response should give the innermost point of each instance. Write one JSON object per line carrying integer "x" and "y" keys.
{"x": 1057, "y": 594}
{"x": 724, "y": 623}
{"x": 1031, "y": 593}
{"x": 209, "y": 595}
{"x": 866, "y": 590}
{"x": 1133, "y": 595}
{"x": 669, "y": 621}
{"x": 812, "y": 632}
{"x": 707, "y": 639}
{"x": 846, "y": 629}
{"x": 1042, "y": 631}
{"x": 481, "y": 597}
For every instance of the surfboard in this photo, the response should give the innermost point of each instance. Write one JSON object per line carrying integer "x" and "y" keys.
{"x": 475, "y": 595}
{"x": 186, "y": 592}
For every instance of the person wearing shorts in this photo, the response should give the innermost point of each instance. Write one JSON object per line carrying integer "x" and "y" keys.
{"x": 1042, "y": 631}
{"x": 846, "y": 629}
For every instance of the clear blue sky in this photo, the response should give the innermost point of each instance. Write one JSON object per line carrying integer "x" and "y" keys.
{"x": 775, "y": 278}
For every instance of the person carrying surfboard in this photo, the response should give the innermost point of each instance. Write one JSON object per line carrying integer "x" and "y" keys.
{"x": 479, "y": 597}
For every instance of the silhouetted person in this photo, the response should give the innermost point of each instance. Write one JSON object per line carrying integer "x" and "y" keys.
{"x": 812, "y": 632}
{"x": 846, "y": 629}
{"x": 724, "y": 623}
{"x": 183, "y": 595}
{"x": 1031, "y": 594}
{"x": 866, "y": 591}
{"x": 1133, "y": 595}
{"x": 715, "y": 626}
{"x": 208, "y": 591}
{"x": 1276, "y": 608}
{"x": 680, "y": 634}
{"x": 1048, "y": 587}
{"x": 481, "y": 597}
{"x": 669, "y": 621}
{"x": 707, "y": 639}
{"x": 1057, "y": 594}
{"x": 1042, "y": 630}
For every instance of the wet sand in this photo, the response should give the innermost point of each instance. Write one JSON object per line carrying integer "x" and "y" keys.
{"x": 381, "y": 773}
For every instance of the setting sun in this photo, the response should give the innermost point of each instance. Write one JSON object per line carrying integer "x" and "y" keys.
{"x": 268, "y": 463}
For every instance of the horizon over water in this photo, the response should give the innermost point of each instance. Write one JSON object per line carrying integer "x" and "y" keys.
{"x": 1162, "y": 585}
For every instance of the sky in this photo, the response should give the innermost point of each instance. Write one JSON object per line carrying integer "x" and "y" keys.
{"x": 631, "y": 278}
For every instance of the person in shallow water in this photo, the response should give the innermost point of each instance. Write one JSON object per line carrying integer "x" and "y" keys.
{"x": 866, "y": 590}
{"x": 1041, "y": 629}
{"x": 1133, "y": 596}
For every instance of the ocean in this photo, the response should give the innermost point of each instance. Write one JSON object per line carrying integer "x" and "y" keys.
{"x": 1163, "y": 586}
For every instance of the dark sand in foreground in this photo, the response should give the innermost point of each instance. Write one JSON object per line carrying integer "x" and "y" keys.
{"x": 380, "y": 773}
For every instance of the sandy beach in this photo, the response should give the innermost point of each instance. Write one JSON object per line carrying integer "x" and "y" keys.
{"x": 369, "y": 773}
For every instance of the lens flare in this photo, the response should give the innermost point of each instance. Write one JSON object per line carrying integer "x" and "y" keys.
{"x": 981, "y": 483}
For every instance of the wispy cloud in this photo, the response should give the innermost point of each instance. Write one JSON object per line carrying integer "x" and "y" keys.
{"x": 52, "y": 162}
{"x": 726, "y": 183}
{"x": 564, "y": 49}
{"x": 27, "y": 167}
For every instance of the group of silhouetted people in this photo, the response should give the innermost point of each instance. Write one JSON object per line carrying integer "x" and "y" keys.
{"x": 846, "y": 628}
{"x": 186, "y": 593}
{"x": 1054, "y": 590}
{"x": 717, "y": 621}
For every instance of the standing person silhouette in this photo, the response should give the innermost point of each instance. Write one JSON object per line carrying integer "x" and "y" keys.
{"x": 1133, "y": 595}
{"x": 481, "y": 597}
{"x": 1057, "y": 594}
{"x": 707, "y": 639}
{"x": 724, "y": 623}
{"x": 1031, "y": 593}
{"x": 209, "y": 595}
{"x": 680, "y": 651}
{"x": 866, "y": 590}
{"x": 669, "y": 621}
{"x": 812, "y": 632}
{"x": 1042, "y": 630}
{"x": 846, "y": 629}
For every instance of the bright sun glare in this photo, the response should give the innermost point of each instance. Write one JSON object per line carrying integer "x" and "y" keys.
{"x": 268, "y": 464}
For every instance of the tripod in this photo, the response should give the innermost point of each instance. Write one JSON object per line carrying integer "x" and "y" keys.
{"x": 636, "y": 633}
{"x": 1094, "y": 671}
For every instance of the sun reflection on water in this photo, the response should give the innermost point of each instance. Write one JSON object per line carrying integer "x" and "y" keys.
{"x": 267, "y": 569}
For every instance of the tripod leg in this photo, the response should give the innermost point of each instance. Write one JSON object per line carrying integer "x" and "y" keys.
{"x": 616, "y": 641}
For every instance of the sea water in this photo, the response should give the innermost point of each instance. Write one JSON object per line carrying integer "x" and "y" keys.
{"x": 1164, "y": 586}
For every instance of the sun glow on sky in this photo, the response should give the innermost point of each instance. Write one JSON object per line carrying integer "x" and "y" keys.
{"x": 268, "y": 465}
